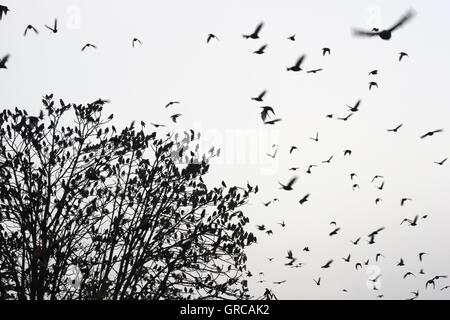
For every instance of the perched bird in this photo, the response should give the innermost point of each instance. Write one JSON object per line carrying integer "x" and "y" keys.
{"x": 372, "y": 84}
{"x": 334, "y": 232}
{"x": 255, "y": 34}
{"x": 210, "y": 37}
{"x": 438, "y": 163}
{"x": 327, "y": 265}
{"x": 3, "y": 11}
{"x": 265, "y": 112}
{"x": 395, "y": 129}
{"x": 292, "y": 38}
{"x": 304, "y": 199}
{"x": 297, "y": 65}
{"x": 431, "y": 133}
{"x": 174, "y": 117}
{"x": 88, "y": 45}
{"x": 54, "y": 29}
{"x": 385, "y": 34}
{"x": 3, "y": 62}
{"x": 373, "y": 72}
{"x": 30, "y": 27}
{"x": 260, "y": 97}
{"x": 325, "y": 51}
{"x": 134, "y": 41}
{"x": 261, "y": 49}
{"x": 288, "y": 186}
{"x": 171, "y": 103}
{"x": 402, "y": 55}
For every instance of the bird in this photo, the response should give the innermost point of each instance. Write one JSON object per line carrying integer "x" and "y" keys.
{"x": 352, "y": 176}
{"x": 309, "y": 168}
{"x": 372, "y": 84}
{"x": 373, "y": 72}
{"x": 261, "y": 49}
{"x": 441, "y": 162}
{"x": 267, "y": 203}
{"x": 403, "y": 201}
{"x": 387, "y": 33}
{"x": 402, "y": 55}
{"x": 88, "y": 45}
{"x": 432, "y": 281}
{"x": 54, "y": 29}
{"x": 296, "y": 67}
{"x": 288, "y": 186}
{"x": 431, "y": 133}
{"x": 327, "y": 265}
{"x": 272, "y": 122}
{"x": 134, "y": 41}
{"x": 445, "y": 288}
{"x": 325, "y": 51}
{"x": 282, "y": 224}
{"x": 171, "y": 103}
{"x": 395, "y": 130}
{"x": 378, "y": 255}
{"x": 255, "y": 34}
{"x": 316, "y": 138}
{"x": 413, "y": 222}
{"x": 260, "y": 97}
{"x": 174, "y": 117}
{"x": 333, "y": 223}
{"x": 348, "y": 258}
{"x": 401, "y": 263}
{"x": 329, "y": 160}
{"x": 294, "y": 169}
{"x": 210, "y": 37}
{"x": 265, "y": 112}
{"x": 273, "y": 155}
{"x": 334, "y": 232}
{"x": 421, "y": 254}
{"x": 30, "y": 27}
{"x": 376, "y": 177}
{"x": 347, "y": 152}
{"x": 381, "y": 186}
{"x": 290, "y": 255}
{"x": 156, "y": 125}
{"x": 355, "y": 186}
{"x": 408, "y": 274}
{"x": 317, "y": 282}
{"x": 345, "y": 118}
{"x": 304, "y": 199}
{"x": 306, "y": 249}
{"x": 292, "y": 38}
{"x": 358, "y": 265}
{"x": 3, "y": 62}
{"x": 279, "y": 282}
{"x": 292, "y": 149}
{"x": 378, "y": 200}
{"x": 355, "y": 107}
{"x": 314, "y": 70}
{"x": 415, "y": 293}
{"x": 356, "y": 241}
{"x": 270, "y": 259}
{"x": 3, "y": 11}
{"x": 329, "y": 116}
{"x": 261, "y": 227}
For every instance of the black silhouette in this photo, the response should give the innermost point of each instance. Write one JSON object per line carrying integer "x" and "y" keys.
{"x": 30, "y": 27}
{"x": 316, "y": 138}
{"x": 292, "y": 38}
{"x": 396, "y": 128}
{"x": 260, "y": 97}
{"x": 413, "y": 222}
{"x": 265, "y": 112}
{"x": 334, "y": 232}
{"x": 317, "y": 282}
{"x": 292, "y": 149}
{"x": 347, "y": 259}
{"x": 378, "y": 256}
{"x": 355, "y": 107}
{"x": 210, "y": 37}
{"x": 403, "y": 201}
{"x": 309, "y": 168}
{"x": 402, "y": 55}
{"x": 325, "y": 51}
{"x": 171, "y": 103}
{"x": 431, "y": 133}
{"x": 3, "y": 11}
{"x": 88, "y": 45}
{"x": 421, "y": 254}
{"x": 134, "y": 41}
{"x": 314, "y": 71}
{"x": 297, "y": 65}
{"x": 174, "y": 117}
{"x": 327, "y": 265}
{"x": 53, "y": 29}
{"x": 438, "y": 163}
{"x": 329, "y": 160}
{"x": 346, "y": 118}
{"x": 255, "y": 34}
{"x": 386, "y": 34}
{"x": 3, "y": 62}
{"x": 373, "y": 72}
{"x": 372, "y": 84}
{"x": 261, "y": 49}
{"x": 272, "y": 122}
{"x": 356, "y": 241}
{"x": 347, "y": 152}
{"x": 304, "y": 199}
{"x": 408, "y": 274}
{"x": 288, "y": 186}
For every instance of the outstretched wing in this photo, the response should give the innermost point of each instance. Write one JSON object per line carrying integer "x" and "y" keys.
{"x": 361, "y": 33}
{"x": 300, "y": 61}
{"x": 404, "y": 19}
{"x": 5, "y": 59}
{"x": 259, "y": 27}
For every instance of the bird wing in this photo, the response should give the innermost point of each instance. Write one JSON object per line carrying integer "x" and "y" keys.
{"x": 258, "y": 28}
{"x": 5, "y": 59}
{"x": 262, "y": 94}
{"x": 404, "y": 19}
{"x": 300, "y": 61}
{"x": 56, "y": 24}
{"x": 292, "y": 181}
{"x": 358, "y": 32}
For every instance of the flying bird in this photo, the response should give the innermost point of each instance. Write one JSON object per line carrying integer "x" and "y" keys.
{"x": 3, "y": 62}
{"x": 288, "y": 186}
{"x": 272, "y": 122}
{"x": 304, "y": 199}
{"x": 30, "y": 27}
{"x": 387, "y": 33}
{"x": 134, "y": 41}
{"x": 402, "y": 55}
{"x": 356, "y": 241}
{"x": 347, "y": 152}
{"x": 3, "y": 11}
{"x": 327, "y": 265}
{"x": 54, "y": 29}
{"x": 174, "y": 117}
{"x": 88, "y": 45}
{"x": 314, "y": 71}
{"x": 421, "y": 254}
{"x": 260, "y": 97}
{"x": 210, "y": 37}
{"x": 345, "y": 118}
{"x": 297, "y": 65}
{"x": 316, "y": 138}
{"x": 395, "y": 129}
{"x": 261, "y": 49}
{"x": 441, "y": 162}
{"x": 171, "y": 103}
{"x": 317, "y": 282}
{"x": 355, "y": 107}
{"x": 348, "y": 258}
{"x": 334, "y": 232}
{"x": 329, "y": 160}
{"x": 265, "y": 112}
{"x": 412, "y": 223}
{"x": 408, "y": 274}
{"x": 325, "y": 51}
{"x": 292, "y": 149}
{"x": 255, "y": 34}
{"x": 373, "y": 72}
{"x": 431, "y": 133}
{"x": 292, "y": 38}
{"x": 401, "y": 263}
{"x": 403, "y": 201}
{"x": 372, "y": 84}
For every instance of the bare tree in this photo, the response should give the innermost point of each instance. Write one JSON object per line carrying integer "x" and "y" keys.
{"x": 118, "y": 208}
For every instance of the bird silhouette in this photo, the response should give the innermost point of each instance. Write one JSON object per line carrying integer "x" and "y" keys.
{"x": 348, "y": 258}
{"x": 421, "y": 254}
{"x": 3, "y": 11}
{"x": 395, "y": 129}
{"x": 309, "y": 168}
{"x": 296, "y": 67}
{"x": 210, "y": 37}
{"x": 134, "y": 41}
{"x": 255, "y": 34}
{"x": 381, "y": 186}
{"x": 378, "y": 255}
{"x": 352, "y": 176}
{"x": 431, "y": 133}
{"x": 358, "y": 265}
{"x": 355, "y": 107}
{"x": 373, "y": 72}
{"x": 273, "y": 155}
{"x": 408, "y": 274}
{"x": 88, "y": 45}
{"x": 403, "y": 201}
{"x": 171, "y": 103}
{"x": 279, "y": 282}
{"x": 265, "y": 112}
{"x": 272, "y": 122}
{"x": 325, "y": 51}
{"x": 3, "y": 62}
{"x": 356, "y": 241}
{"x": 329, "y": 116}
{"x": 327, "y": 265}
{"x": 334, "y": 232}
{"x": 376, "y": 177}
{"x": 345, "y": 118}
{"x": 316, "y": 138}
{"x": 438, "y": 163}
{"x": 28, "y": 28}
{"x": 304, "y": 199}
{"x": 372, "y": 84}
{"x": 413, "y": 222}
{"x": 401, "y": 263}
{"x": 402, "y": 55}
{"x": 261, "y": 49}
{"x": 260, "y": 97}
{"x": 314, "y": 71}
{"x": 292, "y": 38}
{"x": 387, "y": 33}
{"x": 282, "y": 224}
{"x": 329, "y": 160}
{"x": 288, "y": 186}
{"x": 317, "y": 282}
{"x": 53, "y": 29}
{"x": 292, "y": 149}
{"x": 378, "y": 200}
{"x": 347, "y": 152}
{"x": 174, "y": 117}
{"x": 156, "y": 125}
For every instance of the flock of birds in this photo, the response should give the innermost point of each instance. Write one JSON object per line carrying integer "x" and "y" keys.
{"x": 268, "y": 117}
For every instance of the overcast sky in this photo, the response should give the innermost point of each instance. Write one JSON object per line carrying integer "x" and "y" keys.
{"x": 215, "y": 82}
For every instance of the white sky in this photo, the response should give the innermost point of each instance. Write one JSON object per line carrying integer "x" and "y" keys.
{"x": 214, "y": 82}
